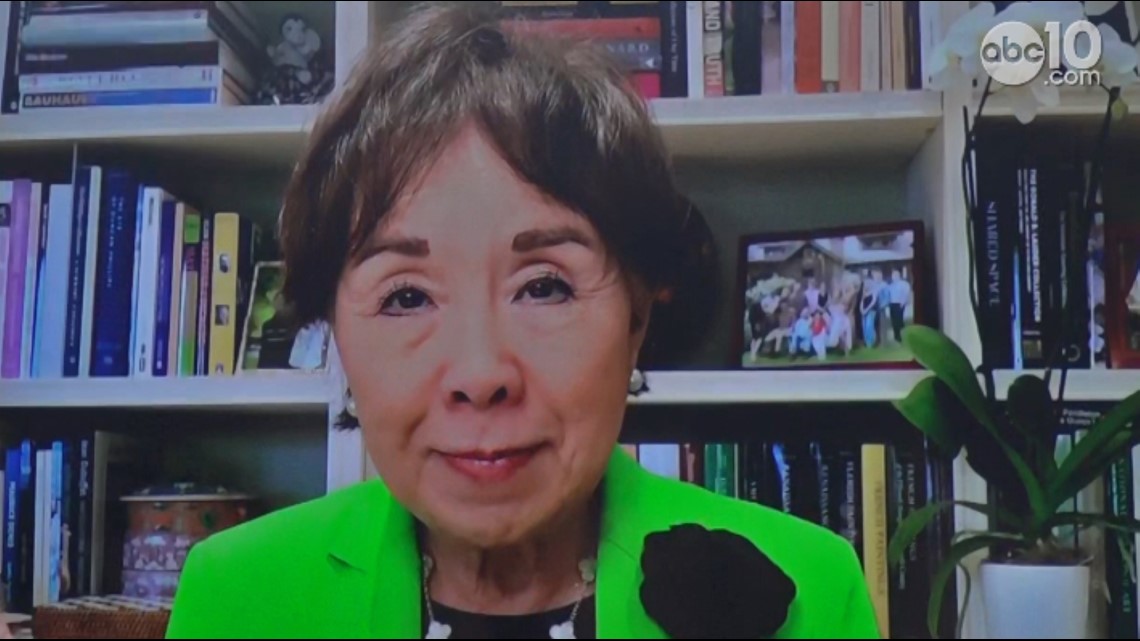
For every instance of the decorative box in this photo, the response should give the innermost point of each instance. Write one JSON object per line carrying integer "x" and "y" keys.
{"x": 102, "y": 617}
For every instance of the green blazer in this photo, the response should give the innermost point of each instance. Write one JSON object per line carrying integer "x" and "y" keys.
{"x": 346, "y": 565}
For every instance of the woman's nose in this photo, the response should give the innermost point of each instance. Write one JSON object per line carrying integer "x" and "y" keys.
{"x": 481, "y": 371}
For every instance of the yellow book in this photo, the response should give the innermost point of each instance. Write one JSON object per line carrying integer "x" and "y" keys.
{"x": 229, "y": 255}
{"x": 874, "y": 464}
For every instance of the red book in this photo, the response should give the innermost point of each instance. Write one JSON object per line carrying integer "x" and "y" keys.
{"x": 809, "y": 55}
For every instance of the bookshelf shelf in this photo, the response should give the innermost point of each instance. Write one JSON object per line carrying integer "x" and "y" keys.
{"x": 1107, "y": 385}
{"x": 1076, "y": 103}
{"x": 261, "y": 392}
{"x": 255, "y": 134}
{"x": 770, "y": 386}
{"x": 799, "y": 127}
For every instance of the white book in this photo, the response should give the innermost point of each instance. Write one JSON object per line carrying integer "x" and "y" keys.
{"x": 788, "y": 46}
{"x": 829, "y": 45}
{"x": 771, "y": 80}
{"x": 173, "y": 344}
{"x": 870, "y": 65}
{"x": 663, "y": 459}
{"x": 90, "y": 273}
{"x": 150, "y": 239}
{"x": 51, "y": 335}
{"x": 32, "y": 279}
{"x": 694, "y": 37}
{"x": 930, "y": 33}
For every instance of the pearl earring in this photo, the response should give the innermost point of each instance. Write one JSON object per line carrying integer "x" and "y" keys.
{"x": 636, "y": 381}
{"x": 350, "y": 405}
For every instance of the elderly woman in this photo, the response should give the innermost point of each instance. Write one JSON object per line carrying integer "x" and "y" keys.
{"x": 487, "y": 220}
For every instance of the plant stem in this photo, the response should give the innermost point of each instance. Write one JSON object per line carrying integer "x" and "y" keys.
{"x": 969, "y": 186}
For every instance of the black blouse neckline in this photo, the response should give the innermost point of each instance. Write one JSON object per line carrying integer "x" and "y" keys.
{"x": 469, "y": 625}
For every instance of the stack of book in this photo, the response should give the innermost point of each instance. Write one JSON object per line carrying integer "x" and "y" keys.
{"x": 85, "y": 54}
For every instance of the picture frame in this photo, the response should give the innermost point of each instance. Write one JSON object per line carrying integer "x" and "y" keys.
{"x": 820, "y": 298}
{"x": 1122, "y": 293}
{"x": 270, "y": 340}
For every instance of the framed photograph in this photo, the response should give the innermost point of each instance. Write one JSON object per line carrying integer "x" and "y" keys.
{"x": 830, "y": 298}
{"x": 271, "y": 340}
{"x": 1122, "y": 293}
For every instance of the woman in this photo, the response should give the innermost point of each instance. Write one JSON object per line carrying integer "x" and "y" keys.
{"x": 486, "y": 222}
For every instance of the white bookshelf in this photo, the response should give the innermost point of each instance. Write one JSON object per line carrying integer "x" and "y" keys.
{"x": 253, "y": 135}
{"x": 808, "y": 386}
{"x": 262, "y": 392}
{"x": 918, "y": 131}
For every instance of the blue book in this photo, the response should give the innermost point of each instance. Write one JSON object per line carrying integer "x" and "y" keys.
{"x": 12, "y": 523}
{"x": 162, "y": 311}
{"x": 55, "y": 523}
{"x": 40, "y": 267}
{"x": 66, "y": 99}
{"x": 115, "y": 278}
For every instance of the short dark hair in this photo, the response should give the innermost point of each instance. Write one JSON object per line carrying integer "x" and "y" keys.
{"x": 561, "y": 112}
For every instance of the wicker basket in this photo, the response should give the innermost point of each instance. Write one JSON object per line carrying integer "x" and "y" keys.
{"x": 102, "y": 617}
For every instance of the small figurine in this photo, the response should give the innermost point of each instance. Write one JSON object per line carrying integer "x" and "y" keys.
{"x": 299, "y": 73}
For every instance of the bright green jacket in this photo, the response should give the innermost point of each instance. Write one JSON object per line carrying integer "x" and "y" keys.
{"x": 346, "y": 565}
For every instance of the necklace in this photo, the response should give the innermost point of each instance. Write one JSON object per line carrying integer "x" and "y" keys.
{"x": 587, "y": 569}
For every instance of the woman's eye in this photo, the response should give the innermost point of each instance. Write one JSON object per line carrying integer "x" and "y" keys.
{"x": 546, "y": 290}
{"x": 405, "y": 301}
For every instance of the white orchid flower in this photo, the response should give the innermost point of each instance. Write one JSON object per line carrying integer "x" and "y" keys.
{"x": 1118, "y": 60}
{"x": 957, "y": 58}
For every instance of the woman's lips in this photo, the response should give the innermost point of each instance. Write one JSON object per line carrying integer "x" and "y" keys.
{"x": 490, "y": 466}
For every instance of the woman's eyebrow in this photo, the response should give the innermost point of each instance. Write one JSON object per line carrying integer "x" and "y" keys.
{"x": 533, "y": 239}
{"x": 403, "y": 245}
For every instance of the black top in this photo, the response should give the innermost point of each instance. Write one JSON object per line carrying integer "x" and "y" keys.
{"x": 466, "y": 625}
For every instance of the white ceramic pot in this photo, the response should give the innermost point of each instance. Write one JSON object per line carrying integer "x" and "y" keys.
{"x": 1035, "y": 601}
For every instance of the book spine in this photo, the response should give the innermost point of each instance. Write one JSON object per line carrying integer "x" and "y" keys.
{"x": 788, "y": 46}
{"x": 714, "y": 64}
{"x": 5, "y": 250}
{"x": 162, "y": 310}
{"x": 17, "y": 276}
{"x": 85, "y": 509}
{"x": 111, "y": 59}
{"x": 146, "y": 296}
{"x": 874, "y": 502}
{"x": 24, "y": 589}
{"x": 1121, "y": 553}
{"x": 55, "y": 548}
{"x": 675, "y": 55}
{"x": 69, "y": 508}
{"x": 746, "y": 48}
{"x": 115, "y": 273}
{"x": 190, "y": 288}
{"x": 90, "y": 270}
{"x": 869, "y": 54}
{"x": 808, "y": 47}
{"x": 850, "y": 46}
{"x": 56, "y": 294}
{"x": 898, "y": 45}
{"x": 37, "y": 230}
{"x": 829, "y": 45}
{"x": 40, "y": 535}
{"x": 694, "y": 49}
{"x": 118, "y": 28}
{"x": 126, "y": 79}
{"x": 851, "y": 499}
{"x": 139, "y": 97}
{"x": 771, "y": 42}
{"x": 12, "y": 527}
{"x": 39, "y": 321}
{"x": 224, "y": 293}
{"x": 205, "y": 297}
{"x": 174, "y": 348}
{"x": 1033, "y": 297}
{"x": 913, "y": 45}
{"x": 76, "y": 278}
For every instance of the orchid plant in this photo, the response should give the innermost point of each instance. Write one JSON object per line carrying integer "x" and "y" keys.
{"x": 1012, "y": 444}
{"x": 956, "y": 61}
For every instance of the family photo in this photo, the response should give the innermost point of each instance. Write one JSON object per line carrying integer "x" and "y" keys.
{"x": 829, "y": 298}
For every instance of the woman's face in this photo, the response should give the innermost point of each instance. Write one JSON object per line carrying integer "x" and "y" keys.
{"x": 486, "y": 338}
